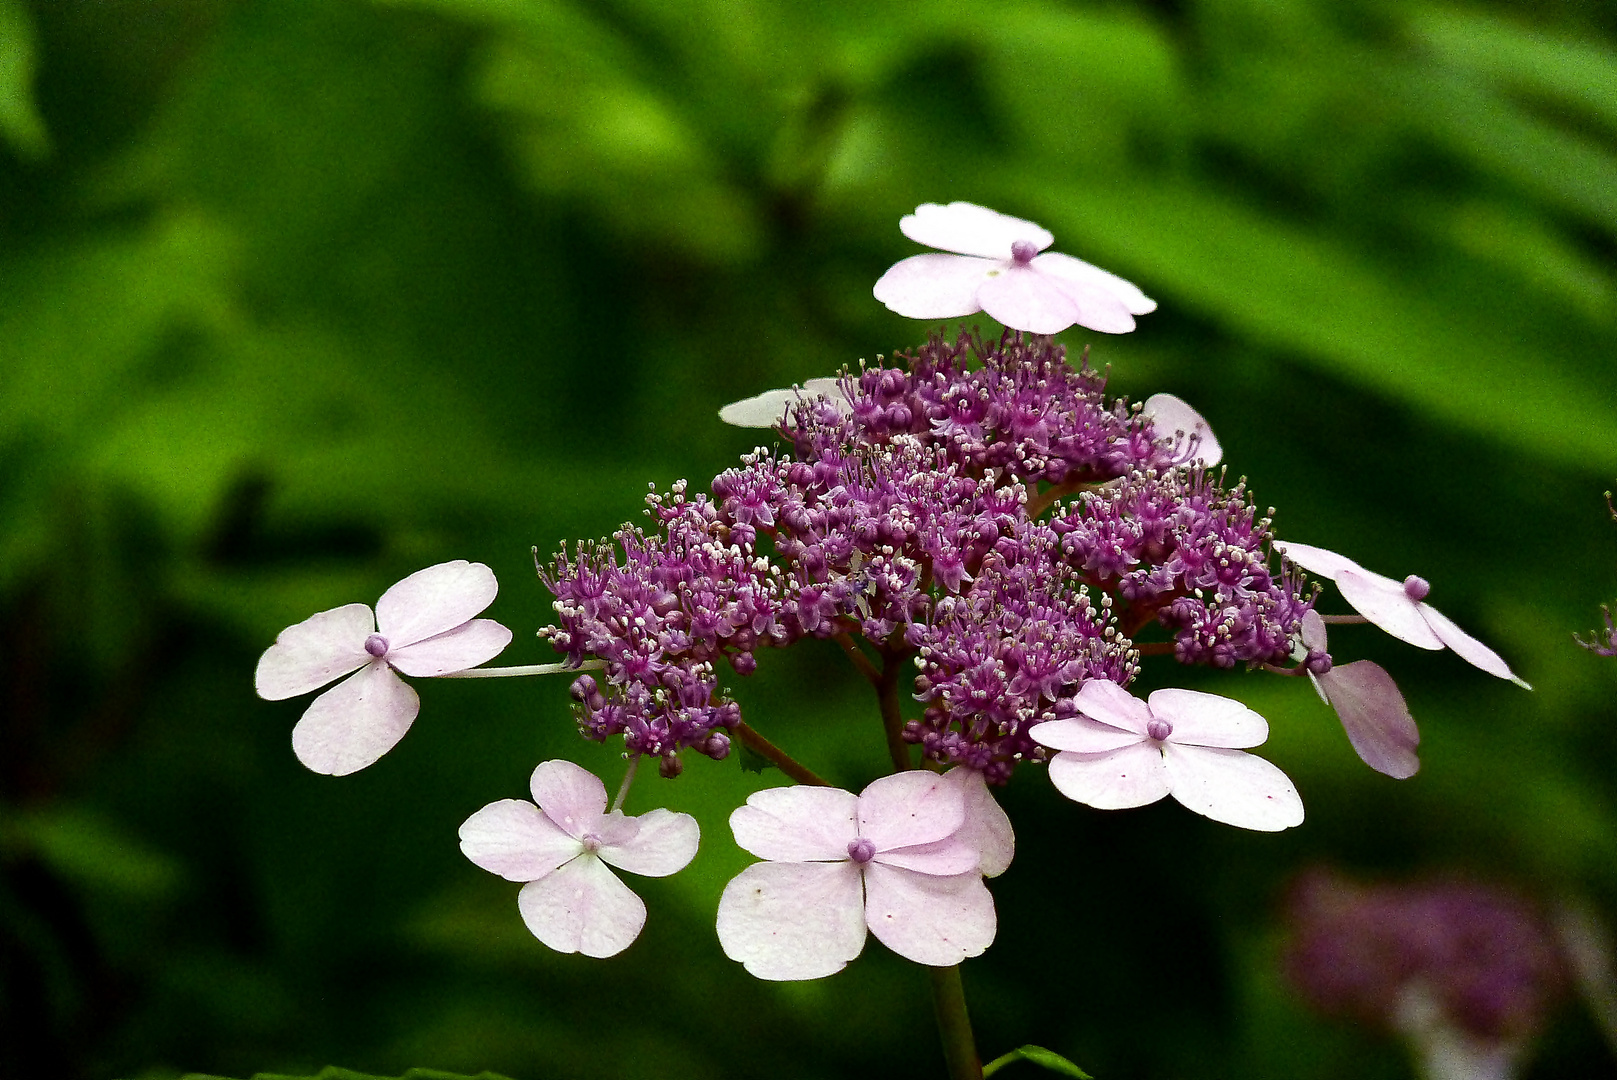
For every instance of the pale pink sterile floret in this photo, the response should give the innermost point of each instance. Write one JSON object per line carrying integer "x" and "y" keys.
{"x": 996, "y": 267}
{"x": 423, "y": 626}
{"x": 891, "y": 860}
{"x": 561, "y": 845}
{"x": 1370, "y": 706}
{"x": 1398, "y": 607}
{"x": 1124, "y": 752}
{"x": 1193, "y": 440}
{"x": 767, "y": 409}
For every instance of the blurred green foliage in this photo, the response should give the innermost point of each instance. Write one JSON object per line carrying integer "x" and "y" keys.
{"x": 297, "y": 296}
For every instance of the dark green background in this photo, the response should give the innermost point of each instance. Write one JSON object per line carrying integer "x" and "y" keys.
{"x": 297, "y": 297}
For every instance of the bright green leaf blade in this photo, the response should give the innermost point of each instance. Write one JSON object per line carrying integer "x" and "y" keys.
{"x": 20, "y": 122}
{"x": 1038, "y": 1055}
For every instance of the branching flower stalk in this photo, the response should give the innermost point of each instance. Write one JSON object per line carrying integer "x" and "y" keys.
{"x": 979, "y": 527}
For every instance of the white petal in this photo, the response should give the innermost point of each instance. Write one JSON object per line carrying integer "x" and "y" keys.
{"x": 1115, "y": 780}
{"x": 582, "y": 908}
{"x": 1384, "y": 602}
{"x": 793, "y": 920}
{"x": 464, "y": 647}
{"x": 320, "y": 648}
{"x": 970, "y": 229}
{"x": 1317, "y": 561}
{"x": 1467, "y": 647}
{"x": 934, "y": 286}
{"x": 433, "y": 600}
{"x": 1082, "y": 735}
{"x": 1098, "y": 308}
{"x": 665, "y": 844}
{"x": 1109, "y": 703}
{"x": 570, "y": 795}
{"x": 514, "y": 839}
{"x": 355, "y": 722}
{"x": 797, "y": 824}
{"x": 1208, "y": 720}
{"x": 1023, "y": 299}
{"x": 1172, "y": 417}
{"x": 767, "y": 409}
{"x": 1374, "y": 716}
{"x": 987, "y": 827}
{"x": 1079, "y": 272}
{"x": 941, "y": 858}
{"x": 931, "y": 920}
{"x": 1232, "y": 786}
{"x": 910, "y": 808}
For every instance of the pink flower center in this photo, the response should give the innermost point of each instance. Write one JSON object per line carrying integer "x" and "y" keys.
{"x": 376, "y": 645}
{"x": 591, "y": 842}
{"x": 861, "y": 850}
{"x": 1416, "y": 588}
{"x": 1022, "y": 251}
{"x": 1158, "y": 729}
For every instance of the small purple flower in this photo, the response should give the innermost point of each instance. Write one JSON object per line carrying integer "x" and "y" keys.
{"x": 561, "y": 849}
{"x": 423, "y": 626}
{"x": 1370, "y": 706}
{"x": 892, "y": 860}
{"x": 1124, "y": 752}
{"x": 1397, "y": 607}
{"x": 997, "y": 269}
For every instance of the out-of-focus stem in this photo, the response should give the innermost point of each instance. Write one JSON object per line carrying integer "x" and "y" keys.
{"x": 954, "y": 1024}
{"x": 859, "y": 659}
{"x": 777, "y": 757}
{"x": 1343, "y": 619}
{"x": 892, "y": 721}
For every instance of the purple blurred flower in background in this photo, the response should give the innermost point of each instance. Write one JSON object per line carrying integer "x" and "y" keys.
{"x": 1467, "y": 972}
{"x": 997, "y": 268}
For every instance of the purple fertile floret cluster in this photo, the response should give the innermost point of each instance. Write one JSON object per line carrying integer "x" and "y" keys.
{"x": 911, "y": 514}
{"x": 1483, "y": 955}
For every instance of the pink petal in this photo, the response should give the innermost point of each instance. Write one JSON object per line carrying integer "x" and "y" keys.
{"x": 615, "y": 829}
{"x": 1313, "y": 630}
{"x": 320, "y": 648}
{"x": 1172, "y": 417}
{"x": 1097, "y": 308}
{"x": 941, "y": 858}
{"x": 1318, "y": 561}
{"x": 464, "y": 647}
{"x": 433, "y": 600}
{"x": 1078, "y": 272}
{"x": 1374, "y": 716}
{"x": 970, "y": 229}
{"x": 1109, "y": 703}
{"x": 767, "y": 409}
{"x": 934, "y": 286}
{"x": 1466, "y": 647}
{"x": 571, "y": 796}
{"x": 987, "y": 827}
{"x": 1232, "y": 786}
{"x": 1083, "y": 735}
{"x": 582, "y": 908}
{"x": 931, "y": 920}
{"x": 910, "y": 808}
{"x": 1384, "y": 602}
{"x": 1115, "y": 780}
{"x": 665, "y": 844}
{"x": 1208, "y": 720}
{"x": 793, "y": 920}
{"x": 1024, "y": 299}
{"x": 355, "y": 722}
{"x": 513, "y": 839}
{"x": 797, "y": 824}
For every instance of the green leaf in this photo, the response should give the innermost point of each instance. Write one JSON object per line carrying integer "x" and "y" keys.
{"x": 1038, "y": 1055}
{"x": 20, "y": 122}
{"x": 752, "y": 761}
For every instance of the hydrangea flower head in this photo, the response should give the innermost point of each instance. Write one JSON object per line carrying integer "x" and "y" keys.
{"x": 562, "y": 849}
{"x": 1398, "y": 607}
{"x": 894, "y": 860}
{"x": 995, "y": 266}
{"x": 1369, "y": 704}
{"x": 422, "y": 626}
{"x": 1124, "y": 752}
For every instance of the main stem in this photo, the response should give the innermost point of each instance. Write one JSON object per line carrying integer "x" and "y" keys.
{"x": 948, "y": 995}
